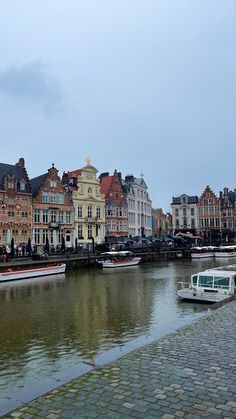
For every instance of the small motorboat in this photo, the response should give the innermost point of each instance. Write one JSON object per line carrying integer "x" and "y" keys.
{"x": 120, "y": 259}
{"x": 13, "y": 275}
{"x": 223, "y": 252}
{"x": 212, "y": 285}
{"x": 203, "y": 252}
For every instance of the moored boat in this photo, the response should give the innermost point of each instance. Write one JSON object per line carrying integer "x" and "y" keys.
{"x": 212, "y": 285}
{"x": 204, "y": 252}
{"x": 13, "y": 275}
{"x": 225, "y": 252}
{"x": 118, "y": 259}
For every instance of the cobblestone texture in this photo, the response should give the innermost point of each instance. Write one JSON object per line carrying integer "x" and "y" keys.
{"x": 190, "y": 373}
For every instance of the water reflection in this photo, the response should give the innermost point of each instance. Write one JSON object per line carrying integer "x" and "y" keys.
{"x": 50, "y": 323}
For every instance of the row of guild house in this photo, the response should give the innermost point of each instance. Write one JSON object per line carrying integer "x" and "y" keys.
{"x": 79, "y": 207}
{"x": 211, "y": 217}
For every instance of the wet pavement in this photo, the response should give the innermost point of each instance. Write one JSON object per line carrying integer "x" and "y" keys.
{"x": 190, "y": 373}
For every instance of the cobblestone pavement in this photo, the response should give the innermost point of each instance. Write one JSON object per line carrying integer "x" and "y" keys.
{"x": 190, "y": 373}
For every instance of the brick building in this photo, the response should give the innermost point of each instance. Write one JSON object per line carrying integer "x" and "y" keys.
{"x": 116, "y": 205}
{"x": 53, "y": 215}
{"x": 209, "y": 216}
{"x": 15, "y": 203}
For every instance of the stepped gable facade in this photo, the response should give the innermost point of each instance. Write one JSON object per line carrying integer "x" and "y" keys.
{"x": 209, "y": 216}
{"x": 15, "y": 203}
{"x": 53, "y": 215}
{"x": 116, "y": 205}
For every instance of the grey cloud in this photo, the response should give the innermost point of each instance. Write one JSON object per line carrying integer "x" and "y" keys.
{"x": 31, "y": 84}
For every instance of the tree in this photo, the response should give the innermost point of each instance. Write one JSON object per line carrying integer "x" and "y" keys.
{"x": 12, "y": 247}
{"x": 46, "y": 247}
{"x": 63, "y": 245}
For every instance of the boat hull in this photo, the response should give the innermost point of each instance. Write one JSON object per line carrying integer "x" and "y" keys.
{"x": 120, "y": 264}
{"x": 202, "y": 255}
{"x": 208, "y": 297}
{"x": 225, "y": 255}
{"x": 32, "y": 273}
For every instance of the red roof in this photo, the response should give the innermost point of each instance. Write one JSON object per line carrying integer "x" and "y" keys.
{"x": 106, "y": 184}
{"x": 74, "y": 173}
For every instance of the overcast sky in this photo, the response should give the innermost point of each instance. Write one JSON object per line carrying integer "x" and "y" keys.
{"x": 138, "y": 85}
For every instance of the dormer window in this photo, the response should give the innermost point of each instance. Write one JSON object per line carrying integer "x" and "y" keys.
{"x": 10, "y": 184}
{"x": 184, "y": 199}
{"x": 22, "y": 186}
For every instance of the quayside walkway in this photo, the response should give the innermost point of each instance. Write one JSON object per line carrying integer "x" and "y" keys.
{"x": 190, "y": 373}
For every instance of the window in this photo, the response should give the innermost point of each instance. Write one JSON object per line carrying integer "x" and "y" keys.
{"x": 68, "y": 217}
{"x": 192, "y": 211}
{"x": 61, "y": 217}
{"x": 45, "y": 235}
{"x": 80, "y": 231}
{"x": 176, "y": 212}
{"x": 205, "y": 281}
{"x": 90, "y": 231}
{"x": 89, "y": 191}
{"x": 45, "y": 196}
{"x": 23, "y": 235}
{"x": 53, "y": 183}
{"x": 90, "y": 213}
{"x": 80, "y": 211}
{"x": 15, "y": 234}
{"x": 10, "y": 201}
{"x": 194, "y": 280}
{"x": 22, "y": 186}
{"x": 192, "y": 222}
{"x": 24, "y": 201}
{"x": 98, "y": 212}
{"x": 45, "y": 216}
{"x": 37, "y": 236}
{"x": 60, "y": 235}
{"x": 52, "y": 197}
{"x": 53, "y": 216}
{"x": 184, "y": 221}
{"x": 221, "y": 282}
{"x": 60, "y": 198}
{"x": 37, "y": 216}
{"x": 10, "y": 184}
{"x": 24, "y": 214}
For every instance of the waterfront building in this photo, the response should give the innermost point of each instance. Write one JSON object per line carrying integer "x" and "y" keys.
{"x": 53, "y": 214}
{"x": 116, "y": 205}
{"x": 139, "y": 206}
{"x": 185, "y": 214}
{"x": 209, "y": 216}
{"x": 160, "y": 223}
{"x": 15, "y": 203}
{"x": 88, "y": 202}
{"x": 228, "y": 215}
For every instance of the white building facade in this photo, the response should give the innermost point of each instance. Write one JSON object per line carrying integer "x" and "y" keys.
{"x": 185, "y": 214}
{"x": 139, "y": 206}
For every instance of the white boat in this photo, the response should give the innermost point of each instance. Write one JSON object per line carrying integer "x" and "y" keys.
{"x": 225, "y": 252}
{"x": 13, "y": 275}
{"x": 204, "y": 252}
{"x": 120, "y": 259}
{"x": 212, "y": 285}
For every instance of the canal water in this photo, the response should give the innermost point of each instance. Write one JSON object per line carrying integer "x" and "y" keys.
{"x": 51, "y": 323}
